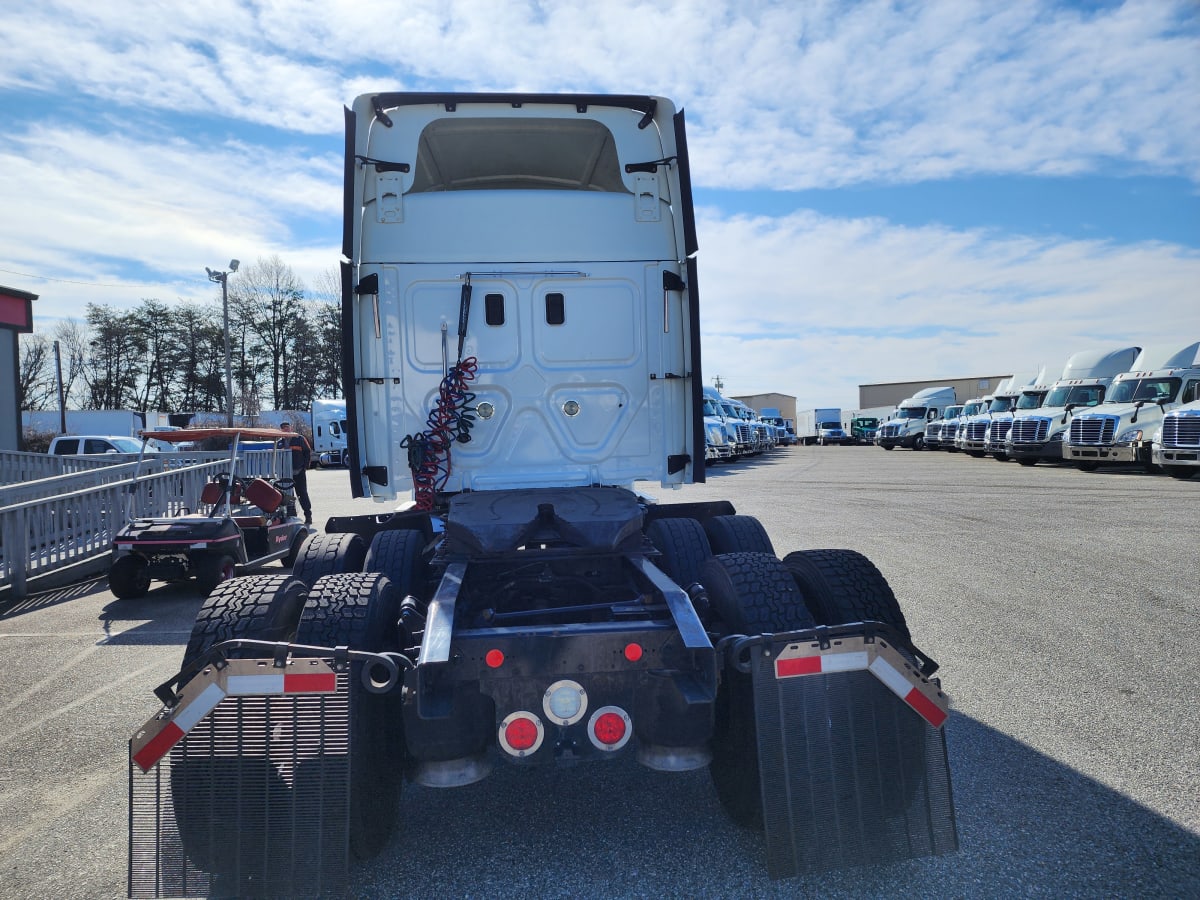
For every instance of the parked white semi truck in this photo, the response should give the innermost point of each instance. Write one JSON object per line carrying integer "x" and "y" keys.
{"x": 785, "y": 429}
{"x": 939, "y": 432}
{"x": 974, "y": 430}
{"x": 1119, "y": 430}
{"x": 1177, "y": 447}
{"x": 1029, "y": 395}
{"x": 907, "y": 427}
{"x": 1038, "y": 435}
{"x": 972, "y": 408}
{"x": 720, "y": 436}
{"x": 523, "y": 345}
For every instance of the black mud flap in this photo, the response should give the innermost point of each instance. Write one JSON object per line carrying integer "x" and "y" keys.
{"x": 852, "y": 755}
{"x": 242, "y": 788}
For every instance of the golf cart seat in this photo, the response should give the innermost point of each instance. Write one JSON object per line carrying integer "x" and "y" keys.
{"x": 264, "y": 495}
{"x": 214, "y": 492}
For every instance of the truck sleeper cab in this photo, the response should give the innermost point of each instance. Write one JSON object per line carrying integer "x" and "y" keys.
{"x": 1120, "y": 430}
{"x": 1177, "y": 448}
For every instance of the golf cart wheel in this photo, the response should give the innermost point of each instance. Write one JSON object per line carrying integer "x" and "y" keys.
{"x": 684, "y": 547}
{"x": 737, "y": 534}
{"x": 753, "y": 593}
{"x": 215, "y": 569}
{"x": 293, "y": 553}
{"x": 842, "y": 586}
{"x": 329, "y": 554}
{"x": 360, "y": 610}
{"x": 129, "y": 577}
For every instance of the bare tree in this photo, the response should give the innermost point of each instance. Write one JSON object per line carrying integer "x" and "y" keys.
{"x": 269, "y": 298}
{"x": 73, "y": 339}
{"x": 36, "y": 382}
{"x": 326, "y": 314}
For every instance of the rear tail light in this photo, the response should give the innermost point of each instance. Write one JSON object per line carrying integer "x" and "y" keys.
{"x": 521, "y": 733}
{"x": 610, "y": 728}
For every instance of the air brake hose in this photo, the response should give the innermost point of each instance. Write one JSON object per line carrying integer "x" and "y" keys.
{"x": 449, "y": 421}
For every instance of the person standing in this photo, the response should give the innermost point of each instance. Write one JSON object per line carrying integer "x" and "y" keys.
{"x": 301, "y": 457}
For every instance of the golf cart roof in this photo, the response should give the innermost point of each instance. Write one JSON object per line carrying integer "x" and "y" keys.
{"x": 200, "y": 434}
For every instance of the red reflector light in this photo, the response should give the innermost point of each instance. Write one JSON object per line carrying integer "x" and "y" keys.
{"x": 633, "y": 652}
{"x": 609, "y": 728}
{"x": 521, "y": 734}
{"x": 494, "y": 659}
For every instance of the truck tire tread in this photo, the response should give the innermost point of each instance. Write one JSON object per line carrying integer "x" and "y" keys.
{"x": 684, "y": 547}
{"x": 329, "y": 554}
{"x": 844, "y": 586}
{"x": 737, "y": 534}
{"x": 265, "y": 607}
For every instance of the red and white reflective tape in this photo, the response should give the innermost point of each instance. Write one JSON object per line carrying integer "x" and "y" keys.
{"x": 855, "y": 654}
{"x": 240, "y": 678}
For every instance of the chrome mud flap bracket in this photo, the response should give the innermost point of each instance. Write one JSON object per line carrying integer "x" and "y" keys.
{"x": 851, "y": 750}
{"x": 241, "y": 786}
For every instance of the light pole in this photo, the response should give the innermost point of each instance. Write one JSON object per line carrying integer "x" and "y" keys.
{"x": 223, "y": 279}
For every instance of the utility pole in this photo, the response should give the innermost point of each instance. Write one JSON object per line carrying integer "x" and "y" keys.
{"x": 62, "y": 405}
{"x": 223, "y": 279}
{"x": 718, "y": 383}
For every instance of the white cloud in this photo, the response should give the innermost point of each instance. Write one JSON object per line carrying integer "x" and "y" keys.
{"x": 126, "y": 157}
{"x": 780, "y": 95}
{"x": 813, "y": 306}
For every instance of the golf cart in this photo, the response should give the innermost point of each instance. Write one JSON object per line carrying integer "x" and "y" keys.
{"x": 240, "y": 523}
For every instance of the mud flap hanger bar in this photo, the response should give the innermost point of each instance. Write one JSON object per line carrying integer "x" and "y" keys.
{"x": 279, "y": 652}
{"x": 826, "y": 650}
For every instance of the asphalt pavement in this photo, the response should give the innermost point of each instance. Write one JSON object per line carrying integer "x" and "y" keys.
{"x": 1062, "y": 606}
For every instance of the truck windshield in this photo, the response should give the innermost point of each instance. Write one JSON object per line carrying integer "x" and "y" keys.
{"x": 1075, "y": 395}
{"x": 474, "y": 154}
{"x": 831, "y": 424}
{"x": 1031, "y": 399}
{"x": 1150, "y": 389}
{"x": 711, "y": 409}
{"x": 1001, "y": 404}
{"x": 910, "y": 412}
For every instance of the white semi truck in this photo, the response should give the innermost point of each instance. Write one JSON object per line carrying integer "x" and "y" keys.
{"x": 330, "y": 431}
{"x": 1177, "y": 447}
{"x": 1119, "y": 430}
{"x": 523, "y": 341}
{"x": 974, "y": 429}
{"x": 1038, "y": 434}
{"x": 1026, "y": 395}
{"x": 907, "y": 427}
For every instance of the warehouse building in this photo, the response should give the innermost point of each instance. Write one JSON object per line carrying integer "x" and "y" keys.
{"x": 785, "y": 403}
{"x": 889, "y": 394}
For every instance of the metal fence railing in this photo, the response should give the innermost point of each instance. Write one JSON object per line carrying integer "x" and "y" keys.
{"x": 17, "y": 466}
{"x": 52, "y": 523}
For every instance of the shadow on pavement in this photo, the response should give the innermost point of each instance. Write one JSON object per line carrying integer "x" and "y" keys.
{"x": 1028, "y": 826}
{"x": 11, "y": 609}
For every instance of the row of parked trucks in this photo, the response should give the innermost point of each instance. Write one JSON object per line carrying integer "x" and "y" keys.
{"x": 732, "y": 430}
{"x": 1126, "y": 405}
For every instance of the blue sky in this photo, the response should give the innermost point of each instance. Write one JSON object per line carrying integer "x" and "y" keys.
{"x": 886, "y": 191}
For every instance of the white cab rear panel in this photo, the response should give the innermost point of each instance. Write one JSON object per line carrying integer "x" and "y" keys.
{"x": 581, "y": 319}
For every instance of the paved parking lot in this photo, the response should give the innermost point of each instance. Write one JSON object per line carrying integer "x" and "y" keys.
{"x": 1062, "y": 606}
